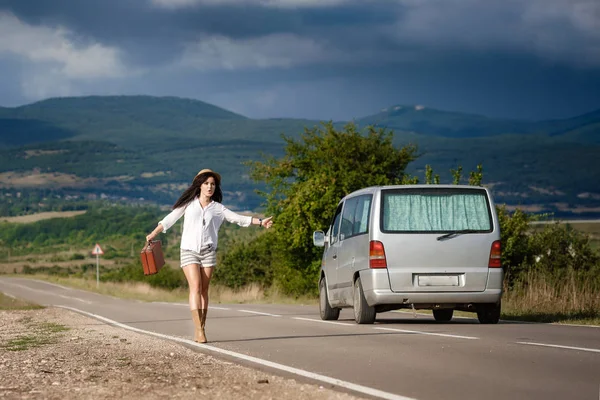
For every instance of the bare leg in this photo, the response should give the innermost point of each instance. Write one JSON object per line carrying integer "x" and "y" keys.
{"x": 194, "y": 278}
{"x": 192, "y": 274}
{"x": 206, "y": 274}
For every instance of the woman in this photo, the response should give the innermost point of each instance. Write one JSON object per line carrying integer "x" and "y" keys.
{"x": 204, "y": 214}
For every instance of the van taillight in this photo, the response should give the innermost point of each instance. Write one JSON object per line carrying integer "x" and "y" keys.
{"x": 495, "y": 255}
{"x": 376, "y": 255}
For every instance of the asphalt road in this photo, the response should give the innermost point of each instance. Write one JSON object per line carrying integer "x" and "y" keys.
{"x": 399, "y": 357}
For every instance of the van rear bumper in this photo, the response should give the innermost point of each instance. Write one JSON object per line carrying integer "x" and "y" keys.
{"x": 376, "y": 286}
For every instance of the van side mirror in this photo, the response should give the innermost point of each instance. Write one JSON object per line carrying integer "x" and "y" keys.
{"x": 319, "y": 238}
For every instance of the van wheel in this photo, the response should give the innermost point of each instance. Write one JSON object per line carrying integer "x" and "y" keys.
{"x": 443, "y": 315}
{"x": 363, "y": 313}
{"x": 327, "y": 312}
{"x": 488, "y": 313}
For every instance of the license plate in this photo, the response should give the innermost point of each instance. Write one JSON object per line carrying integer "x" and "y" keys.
{"x": 438, "y": 280}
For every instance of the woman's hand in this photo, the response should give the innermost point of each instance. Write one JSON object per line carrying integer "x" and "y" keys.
{"x": 155, "y": 232}
{"x": 267, "y": 222}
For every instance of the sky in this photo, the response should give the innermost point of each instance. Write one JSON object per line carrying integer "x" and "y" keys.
{"x": 318, "y": 59}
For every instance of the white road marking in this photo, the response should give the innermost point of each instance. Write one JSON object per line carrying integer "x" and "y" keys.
{"x": 578, "y": 325}
{"x": 427, "y": 333}
{"x": 87, "y": 292}
{"x": 57, "y": 285}
{"x": 320, "y": 320}
{"x": 74, "y": 298}
{"x": 300, "y": 372}
{"x": 48, "y": 293}
{"x": 259, "y": 313}
{"x": 389, "y": 329}
{"x": 166, "y": 303}
{"x": 561, "y": 347}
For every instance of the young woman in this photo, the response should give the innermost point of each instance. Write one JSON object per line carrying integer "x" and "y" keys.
{"x": 204, "y": 214}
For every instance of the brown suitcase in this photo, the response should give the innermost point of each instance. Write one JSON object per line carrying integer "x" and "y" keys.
{"x": 152, "y": 257}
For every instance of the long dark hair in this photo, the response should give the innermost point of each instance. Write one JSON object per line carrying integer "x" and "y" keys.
{"x": 194, "y": 190}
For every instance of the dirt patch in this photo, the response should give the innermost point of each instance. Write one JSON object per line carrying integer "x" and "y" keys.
{"x": 39, "y": 179}
{"x": 58, "y": 354}
{"x": 549, "y": 191}
{"x": 37, "y": 153}
{"x": 576, "y": 209}
{"x": 153, "y": 174}
{"x": 532, "y": 208}
{"x": 26, "y": 219}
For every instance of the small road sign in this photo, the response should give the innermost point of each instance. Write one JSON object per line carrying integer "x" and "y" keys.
{"x": 97, "y": 250}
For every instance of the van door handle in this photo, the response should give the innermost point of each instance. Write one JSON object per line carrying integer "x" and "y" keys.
{"x": 334, "y": 256}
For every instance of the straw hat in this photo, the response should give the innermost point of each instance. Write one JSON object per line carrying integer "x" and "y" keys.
{"x": 217, "y": 176}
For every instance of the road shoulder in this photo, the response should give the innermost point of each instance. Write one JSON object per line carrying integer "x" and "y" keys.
{"x": 58, "y": 353}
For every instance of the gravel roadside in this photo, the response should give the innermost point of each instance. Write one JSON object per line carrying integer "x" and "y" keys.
{"x": 55, "y": 353}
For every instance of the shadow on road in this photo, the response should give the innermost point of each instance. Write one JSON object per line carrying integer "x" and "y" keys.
{"x": 337, "y": 335}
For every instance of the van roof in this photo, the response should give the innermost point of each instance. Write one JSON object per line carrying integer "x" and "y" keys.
{"x": 373, "y": 189}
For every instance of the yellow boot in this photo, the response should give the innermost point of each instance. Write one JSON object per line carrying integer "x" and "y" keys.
{"x": 198, "y": 317}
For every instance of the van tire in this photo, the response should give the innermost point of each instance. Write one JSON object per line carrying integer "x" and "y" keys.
{"x": 327, "y": 312}
{"x": 443, "y": 315}
{"x": 488, "y": 313}
{"x": 363, "y": 313}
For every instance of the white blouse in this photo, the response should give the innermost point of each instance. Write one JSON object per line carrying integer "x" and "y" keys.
{"x": 201, "y": 225}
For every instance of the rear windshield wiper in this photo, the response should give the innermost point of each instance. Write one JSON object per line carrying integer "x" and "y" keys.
{"x": 456, "y": 233}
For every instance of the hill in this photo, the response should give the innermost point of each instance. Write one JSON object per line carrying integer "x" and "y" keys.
{"x": 150, "y": 147}
{"x": 429, "y": 121}
{"x": 111, "y": 118}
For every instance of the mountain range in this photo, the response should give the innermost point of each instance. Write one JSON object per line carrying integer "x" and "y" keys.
{"x": 151, "y": 147}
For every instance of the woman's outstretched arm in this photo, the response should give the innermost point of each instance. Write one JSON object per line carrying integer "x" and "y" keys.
{"x": 159, "y": 228}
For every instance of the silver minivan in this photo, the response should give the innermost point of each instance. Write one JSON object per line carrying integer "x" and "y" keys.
{"x": 433, "y": 247}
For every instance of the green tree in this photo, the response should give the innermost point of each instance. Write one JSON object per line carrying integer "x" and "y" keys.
{"x": 560, "y": 247}
{"x": 305, "y": 185}
{"x": 476, "y": 177}
{"x": 247, "y": 263}
{"x": 430, "y": 177}
{"x": 456, "y": 175}
{"x": 515, "y": 237}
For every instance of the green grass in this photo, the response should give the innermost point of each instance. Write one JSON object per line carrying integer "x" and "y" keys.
{"x": 38, "y": 333}
{"x": 25, "y": 343}
{"x": 575, "y": 318}
{"x": 51, "y": 327}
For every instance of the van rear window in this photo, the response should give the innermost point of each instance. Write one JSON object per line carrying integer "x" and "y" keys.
{"x": 435, "y": 210}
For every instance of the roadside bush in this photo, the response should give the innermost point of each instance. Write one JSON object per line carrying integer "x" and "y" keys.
{"x": 554, "y": 253}
{"x": 54, "y": 270}
{"x": 515, "y": 237}
{"x": 559, "y": 247}
{"x": 305, "y": 185}
{"x": 247, "y": 263}
{"x": 295, "y": 282}
{"x": 167, "y": 278}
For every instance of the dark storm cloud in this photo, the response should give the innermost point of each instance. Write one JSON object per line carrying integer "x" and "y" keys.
{"x": 151, "y": 34}
{"x": 303, "y": 58}
{"x": 566, "y": 30}
{"x": 9, "y": 86}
